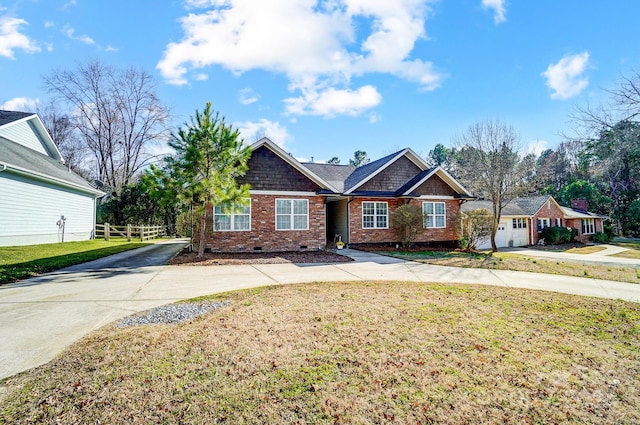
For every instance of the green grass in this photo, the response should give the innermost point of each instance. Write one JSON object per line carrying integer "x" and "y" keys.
{"x": 352, "y": 353}
{"x": 21, "y": 262}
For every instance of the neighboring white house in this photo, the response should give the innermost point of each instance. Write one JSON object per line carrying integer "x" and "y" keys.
{"x": 40, "y": 199}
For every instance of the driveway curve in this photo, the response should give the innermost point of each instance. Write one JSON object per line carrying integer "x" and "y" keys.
{"x": 40, "y": 317}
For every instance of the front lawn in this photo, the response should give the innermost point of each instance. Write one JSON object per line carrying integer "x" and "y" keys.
{"x": 516, "y": 262}
{"x": 352, "y": 353}
{"x": 21, "y": 262}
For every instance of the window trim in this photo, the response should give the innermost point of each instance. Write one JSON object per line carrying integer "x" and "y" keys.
{"x": 542, "y": 223}
{"x": 291, "y": 214}
{"x": 232, "y": 217}
{"x": 376, "y": 214}
{"x": 519, "y": 223}
{"x": 588, "y": 222}
{"x": 434, "y": 215}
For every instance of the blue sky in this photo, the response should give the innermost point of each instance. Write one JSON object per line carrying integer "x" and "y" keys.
{"x": 326, "y": 78}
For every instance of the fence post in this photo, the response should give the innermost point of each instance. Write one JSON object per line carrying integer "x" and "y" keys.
{"x": 141, "y": 233}
{"x": 106, "y": 231}
{"x": 128, "y": 233}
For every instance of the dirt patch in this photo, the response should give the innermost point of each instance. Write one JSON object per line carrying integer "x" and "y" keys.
{"x": 219, "y": 258}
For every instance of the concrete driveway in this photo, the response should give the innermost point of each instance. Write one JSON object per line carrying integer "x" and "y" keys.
{"x": 40, "y": 317}
{"x": 603, "y": 257}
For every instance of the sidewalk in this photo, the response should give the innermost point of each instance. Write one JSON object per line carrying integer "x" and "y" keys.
{"x": 40, "y": 317}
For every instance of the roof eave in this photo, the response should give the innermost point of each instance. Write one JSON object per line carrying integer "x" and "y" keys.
{"x": 43, "y": 177}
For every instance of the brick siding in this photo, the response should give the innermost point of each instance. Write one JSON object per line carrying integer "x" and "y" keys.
{"x": 549, "y": 210}
{"x": 359, "y": 235}
{"x": 263, "y": 232}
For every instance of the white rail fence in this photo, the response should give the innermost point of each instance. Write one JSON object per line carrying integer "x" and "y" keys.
{"x": 108, "y": 231}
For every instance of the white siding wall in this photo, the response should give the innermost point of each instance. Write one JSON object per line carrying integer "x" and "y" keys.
{"x": 507, "y": 235}
{"x": 29, "y": 211}
{"x": 23, "y": 134}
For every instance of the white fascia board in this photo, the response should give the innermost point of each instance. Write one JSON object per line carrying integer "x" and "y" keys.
{"x": 46, "y": 178}
{"x": 435, "y": 197}
{"x": 446, "y": 177}
{"x": 282, "y": 193}
{"x": 46, "y": 137}
{"x": 293, "y": 162}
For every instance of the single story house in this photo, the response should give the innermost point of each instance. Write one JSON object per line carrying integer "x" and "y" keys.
{"x": 523, "y": 219}
{"x": 42, "y": 200}
{"x": 309, "y": 206}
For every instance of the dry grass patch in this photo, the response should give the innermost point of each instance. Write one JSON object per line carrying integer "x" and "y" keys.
{"x": 632, "y": 253}
{"x": 585, "y": 249}
{"x": 506, "y": 261}
{"x": 353, "y": 353}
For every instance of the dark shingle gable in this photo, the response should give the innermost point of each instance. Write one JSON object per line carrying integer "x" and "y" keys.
{"x": 7, "y": 117}
{"x": 365, "y": 171}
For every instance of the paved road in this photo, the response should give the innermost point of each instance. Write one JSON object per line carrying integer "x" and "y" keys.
{"x": 42, "y": 316}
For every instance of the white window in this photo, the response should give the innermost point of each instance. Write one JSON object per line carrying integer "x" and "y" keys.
{"x": 375, "y": 215}
{"x": 519, "y": 223}
{"x": 227, "y": 219}
{"x": 292, "y": 214}
{"x": 588, "y": 226}
{"x": 558, "y": 222}
{"x": 542, "y": 223}
{"x": 434, "y": 215}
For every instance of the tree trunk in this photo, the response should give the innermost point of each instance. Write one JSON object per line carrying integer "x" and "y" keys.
{"x": 203, "y": 233}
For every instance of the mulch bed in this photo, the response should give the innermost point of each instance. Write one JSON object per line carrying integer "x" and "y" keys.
{"x": 187, "y": 258}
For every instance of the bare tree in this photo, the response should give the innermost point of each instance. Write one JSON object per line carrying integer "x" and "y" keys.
{"x": 117, "y": 115}
{"x": 491, "y": 167}
{"x": 64, "y": 135}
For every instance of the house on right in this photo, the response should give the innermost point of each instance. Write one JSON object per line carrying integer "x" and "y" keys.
{"x": 523, "y": 219}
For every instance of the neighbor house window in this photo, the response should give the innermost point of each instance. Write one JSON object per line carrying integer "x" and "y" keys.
{"x": 227, "y": 219}
{"x": 558, "y": 222}
{"x": 375, "y": 215}
{"x": 519, "y": 223}
{"x": 292, "y": 214}
{"x": 434, "y": 215}
{"x": 542, "y": 223}
{"x": 588, "y": 226}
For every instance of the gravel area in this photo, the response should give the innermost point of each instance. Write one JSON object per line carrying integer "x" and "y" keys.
{"x": 220, "y": 258}
{"x": 171, "y": 314}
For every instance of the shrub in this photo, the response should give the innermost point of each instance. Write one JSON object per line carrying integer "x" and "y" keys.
{"x": 601, "y": 237}
{"x": 475, "y": 226}
{"x": 559, "y": 235}
{"x": 407, "y": 223}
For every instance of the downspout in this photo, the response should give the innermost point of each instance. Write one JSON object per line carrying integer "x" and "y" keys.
{"x": 349, "y": 220}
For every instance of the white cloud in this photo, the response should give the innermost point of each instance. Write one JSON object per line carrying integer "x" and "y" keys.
{"x": 254, "y": 131}
{"x": 374, "y": 117}
{"x": 201, "y": 77}
{"x": 247, "y": 96}
{"x": 536, "y": 147}
{"x": 21, "y": 104}
{"x": 12, "y": 39}
{"x": 499, "y": 9}
{"x": 70, "y": 33}
{"x": 68, "y": 4}
{"x": 315, "y": 44}
{"x": 331, "y": 102}
{"x": 565, "y": 78}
